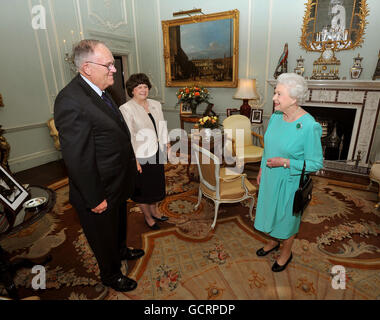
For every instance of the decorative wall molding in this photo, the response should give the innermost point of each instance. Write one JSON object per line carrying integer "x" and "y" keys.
{"x": 25, "y": 127}
{"x": 116, "y": 43}
{"x": 160, "y": 47}
{"x": 112, "y": 36}
{"x": 135, "y": 33}
{"x": 34, "y": 159}
{"x": 79, "y": 17}
{"x": 43, "y": 70}
{"x": 268, "y": 51}
{"x": 102, "y": 21}
{"x": 249, "y": 28}
{"x": 59, "y": 52}
{"x": 54, "y": 75}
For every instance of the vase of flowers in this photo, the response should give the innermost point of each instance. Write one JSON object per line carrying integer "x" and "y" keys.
{"x": 193, "y": 96}
{"x": 208, "y": 123}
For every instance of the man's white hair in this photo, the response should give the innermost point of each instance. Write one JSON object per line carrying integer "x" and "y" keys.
{"x": 83, "y": 50}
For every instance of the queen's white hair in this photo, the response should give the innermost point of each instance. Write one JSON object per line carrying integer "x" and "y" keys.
{"x": 296, "y": 85}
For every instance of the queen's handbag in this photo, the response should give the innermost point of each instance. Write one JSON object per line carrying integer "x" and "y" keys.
{"x": 303, "y": 195}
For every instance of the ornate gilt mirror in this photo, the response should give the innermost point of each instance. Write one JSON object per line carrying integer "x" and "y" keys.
{"x": 338, "y": 23}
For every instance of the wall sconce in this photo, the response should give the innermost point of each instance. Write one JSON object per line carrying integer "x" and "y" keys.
{"x": 68, "y": 58}
{"x": 246, "y": 91}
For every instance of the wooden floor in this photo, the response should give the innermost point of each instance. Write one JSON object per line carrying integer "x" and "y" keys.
{"x": 43, "y": 175}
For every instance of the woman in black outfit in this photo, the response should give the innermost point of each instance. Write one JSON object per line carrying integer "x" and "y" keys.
{"x": 149, "y": 136}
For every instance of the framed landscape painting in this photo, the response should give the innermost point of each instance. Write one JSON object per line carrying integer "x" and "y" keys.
{"x": 202, "y": 50}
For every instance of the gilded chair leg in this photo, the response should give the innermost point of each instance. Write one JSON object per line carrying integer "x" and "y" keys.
{"x": 251, "y": 208}
{"x": 377, "y": 205}
{"x": 199, "y": 198}
{"x": 215, "y": 215}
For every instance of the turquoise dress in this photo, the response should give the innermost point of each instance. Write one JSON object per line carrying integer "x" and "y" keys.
{"x": 297, "y": 140}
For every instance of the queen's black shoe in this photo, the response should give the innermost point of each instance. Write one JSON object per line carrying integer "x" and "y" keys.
{"x": 277, "y": 268}
{"x": 262, "y": 253}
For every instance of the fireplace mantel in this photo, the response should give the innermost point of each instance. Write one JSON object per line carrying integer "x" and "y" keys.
{"x": 362, "y": 95}
{"x": 339, "y": 84}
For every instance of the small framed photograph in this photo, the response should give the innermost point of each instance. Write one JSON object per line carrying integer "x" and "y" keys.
{"x": 257, "y": 116}
{"x": 185, "y": 109}
{"x": 232, "y": 111}
{"x": 12, "y": 194}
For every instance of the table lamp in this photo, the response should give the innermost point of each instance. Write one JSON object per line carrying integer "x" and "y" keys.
{"x": 247, "y": 91}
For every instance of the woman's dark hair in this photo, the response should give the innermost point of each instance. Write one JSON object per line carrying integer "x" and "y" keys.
{"x": 135, "y": 80}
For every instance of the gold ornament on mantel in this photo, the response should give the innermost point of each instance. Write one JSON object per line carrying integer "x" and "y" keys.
{"x": 326, "y": 66}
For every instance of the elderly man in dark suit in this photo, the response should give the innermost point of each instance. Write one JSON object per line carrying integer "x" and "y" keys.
{"x": 97, "y": 151}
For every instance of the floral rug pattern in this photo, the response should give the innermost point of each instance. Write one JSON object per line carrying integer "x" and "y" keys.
{"x": 191, "y": 261}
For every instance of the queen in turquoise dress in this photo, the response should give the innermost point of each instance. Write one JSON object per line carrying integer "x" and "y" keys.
{"x": 292, "y": 137}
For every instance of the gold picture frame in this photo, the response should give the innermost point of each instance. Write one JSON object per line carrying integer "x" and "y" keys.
{"x": 324, "y": 23}
{"x": 202, "y": 50}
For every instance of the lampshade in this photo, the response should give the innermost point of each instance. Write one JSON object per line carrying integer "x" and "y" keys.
{"x": 246, "y": 89}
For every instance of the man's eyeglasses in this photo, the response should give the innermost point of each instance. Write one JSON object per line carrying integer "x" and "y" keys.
{"x": 108, "y": 66}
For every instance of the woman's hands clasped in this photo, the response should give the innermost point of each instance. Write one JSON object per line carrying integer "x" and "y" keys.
{"x": 277, "y": 162}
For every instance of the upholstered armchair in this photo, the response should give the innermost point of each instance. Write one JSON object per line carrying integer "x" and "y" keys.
{"x": 221, "y": 185}
{"x": 374, "y": 175}
{"x": 240, "y": 144}
{"x": 54, "y": 133}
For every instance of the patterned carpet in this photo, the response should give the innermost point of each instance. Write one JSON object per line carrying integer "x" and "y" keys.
{"x": 185, "y": 260}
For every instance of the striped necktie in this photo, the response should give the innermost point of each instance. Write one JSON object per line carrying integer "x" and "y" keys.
{"x": 109, "y": 103}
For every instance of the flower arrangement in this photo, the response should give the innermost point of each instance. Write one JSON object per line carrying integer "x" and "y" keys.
{"x": 211, "y": 122}
{"x": 192, "y": 96}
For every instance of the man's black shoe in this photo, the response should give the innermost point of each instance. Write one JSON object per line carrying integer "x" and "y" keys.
{"x": 122, "y": 284}
{"x": 162, "y": 219}
{"x": 131, "y": 254}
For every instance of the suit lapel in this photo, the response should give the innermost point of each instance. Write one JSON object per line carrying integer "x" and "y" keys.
{"x": 119, "y": 114}
{"x": 102, "y": 105}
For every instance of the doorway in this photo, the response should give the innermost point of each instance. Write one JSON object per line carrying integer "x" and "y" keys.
{"x": 118, "y": 90}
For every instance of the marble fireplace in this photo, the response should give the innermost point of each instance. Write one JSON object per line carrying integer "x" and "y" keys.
{"x": 348, "y": 112}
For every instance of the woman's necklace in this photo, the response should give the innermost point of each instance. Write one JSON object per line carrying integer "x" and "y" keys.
{"x": 293, "y": 116}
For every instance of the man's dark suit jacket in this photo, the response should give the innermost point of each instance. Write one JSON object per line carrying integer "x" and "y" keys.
{"x": 96, "y": 147}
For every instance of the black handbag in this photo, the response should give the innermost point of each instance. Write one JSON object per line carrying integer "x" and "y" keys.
{"x": 303, "y": 195}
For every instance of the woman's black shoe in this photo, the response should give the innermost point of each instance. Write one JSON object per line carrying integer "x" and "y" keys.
{"x": 154, "y": 226}
{"x": 162, "y": 219}
{"x": 261, "y": 252}
{"x": 277, "y": 268}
